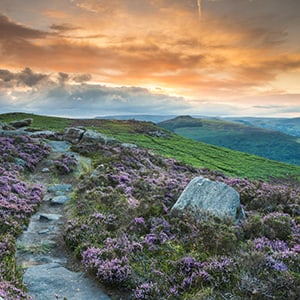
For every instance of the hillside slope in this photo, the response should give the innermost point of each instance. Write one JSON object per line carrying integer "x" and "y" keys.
{"x": 289, "y": 126}
{"x": 147, "y": 135}
{"x": 262, "y": 142}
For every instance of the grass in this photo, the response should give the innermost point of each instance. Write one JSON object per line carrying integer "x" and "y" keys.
{"x": 196, "y": 154}
{"x": 39, "y": 122}
{"x": 262, "y": 142}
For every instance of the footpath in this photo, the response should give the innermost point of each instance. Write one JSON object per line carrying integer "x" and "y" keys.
{"x": 50, "y": 271}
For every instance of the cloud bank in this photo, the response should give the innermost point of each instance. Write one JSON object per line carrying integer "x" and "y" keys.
{"x": 241, "y": 56}
{"x": 75, "y": 95}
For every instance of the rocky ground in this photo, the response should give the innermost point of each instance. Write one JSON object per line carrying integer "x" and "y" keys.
{"x": 50, "y": 271}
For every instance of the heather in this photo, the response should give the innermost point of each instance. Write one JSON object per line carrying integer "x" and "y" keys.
{"x": 120, "y": 226}
{"x": 18, "y": 201}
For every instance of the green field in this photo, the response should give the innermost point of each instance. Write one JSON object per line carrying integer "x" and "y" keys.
{"x": 163, "y": 142}
{"x": 262, "y": 142}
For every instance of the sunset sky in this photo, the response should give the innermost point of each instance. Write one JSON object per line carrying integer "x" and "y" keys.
{"x": 85, "y": 58}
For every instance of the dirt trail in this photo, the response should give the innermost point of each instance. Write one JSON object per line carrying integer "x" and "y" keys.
{"x": 50, "y": 271}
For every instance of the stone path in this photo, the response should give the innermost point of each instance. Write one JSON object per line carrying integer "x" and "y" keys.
{"x": 41, "y": 252}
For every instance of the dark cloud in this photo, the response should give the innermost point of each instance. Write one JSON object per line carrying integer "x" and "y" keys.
{"x": 6, "y": 75}
{"x": 90, "y": 100}
{"x": 11, "y": 30}
{"x": 26, "y": 77}
{"x": 82, "y": 78}
{"x": 29, "y": 78}
{"x": 63, "y": 77}
{"x": 64, "y": 27}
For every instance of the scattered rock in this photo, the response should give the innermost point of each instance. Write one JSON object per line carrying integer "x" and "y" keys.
{"x": 21, "y": 123}
{"x": 93, "y": 136}
{"x": 50, "y": 217}
{"x": 206, "y": 196}
{"x": 45, "y": 281}
{"x": 59, "y": 187}
{"x": 4, "y": 126}
{"x": 59, "y": 146}
{"x": 46, "y": 134}
{"x": 20, "y": 162}
{"x": 60, "y": 200}
{"x": 158, "y": 133}
{"x": 73, "y": 134}
{"x": 15, "y": 132}
{"x": 130, "y": 146}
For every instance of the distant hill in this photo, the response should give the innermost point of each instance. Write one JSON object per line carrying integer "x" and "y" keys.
{"x": 288, "y": 126}
{"x": 236, "y": 136}
{"x": 146, "y": 118}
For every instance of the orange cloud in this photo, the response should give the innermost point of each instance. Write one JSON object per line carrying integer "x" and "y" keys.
{"x": 159, "y": 43}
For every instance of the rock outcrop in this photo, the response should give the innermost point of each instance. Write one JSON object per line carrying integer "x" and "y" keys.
{"x": 73, "y": 134}
{"x": 93, "y": 136}
{"x": 77, "y": 135}
{"x": 21, "y": 123}
{"x": 203, "y": 196}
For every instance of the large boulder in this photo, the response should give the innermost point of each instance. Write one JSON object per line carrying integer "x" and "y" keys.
{"x": 203, "y": 196}
{"x": 73, "y": 134}
{"x": 21, "y": 123}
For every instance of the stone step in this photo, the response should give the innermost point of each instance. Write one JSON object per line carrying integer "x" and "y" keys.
{"x": 45, "y": 282}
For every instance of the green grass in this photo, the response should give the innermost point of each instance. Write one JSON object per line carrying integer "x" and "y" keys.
{"x": 197, "y": 154}
{"x": 39, "y": 122}
{"x": 262, "y": 142}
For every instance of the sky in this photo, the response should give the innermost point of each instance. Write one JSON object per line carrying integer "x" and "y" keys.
{"x": 86, "y": 58}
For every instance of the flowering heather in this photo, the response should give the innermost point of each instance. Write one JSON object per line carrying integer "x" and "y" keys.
{"x": 18, "y": 201}
{"x": 147, "y": 290}
{"x": 66, "y": 164}
{"x": 22, "y": 151}
{"x": 125, "y": 235}
{"x": 9, "y": 292}
{"x": 111, "y": 271}
{"x": 279, "y": 253}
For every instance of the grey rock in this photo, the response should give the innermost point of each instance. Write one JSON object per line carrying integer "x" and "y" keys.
{"x": 130, "y": 146}
{"x": 45, "y": 170}
{"x": 158, "y": 133}
{"x": 206, "y": 196}
{"x": 16, "y": 132}
{"x": 44, "y": 231}
{"x": 59, "y": 187}
{"x": 49, "y": 217}
{"x": 91, "y": 135}
{"x": 4, "y": 126}
{"x": 47, "y": 134}
{"x": 44, "y": 281}
{"x": 60, "y": 200}
{"x": 59, "y": 146}
{"x": 59, "y": 193}
{"x": 73, "y": 134}
{"x": 21, "y": 123}
{"x": 20, "y": 162}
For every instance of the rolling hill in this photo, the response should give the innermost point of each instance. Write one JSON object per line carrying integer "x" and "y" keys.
{"x": 168, "y": 144}
{"x": 267, "y": 143}
{"x": 289, "y": 126}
